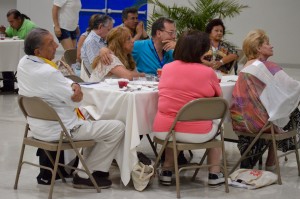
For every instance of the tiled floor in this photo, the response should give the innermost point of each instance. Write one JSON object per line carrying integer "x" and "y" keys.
{"x": 12, "y": 127}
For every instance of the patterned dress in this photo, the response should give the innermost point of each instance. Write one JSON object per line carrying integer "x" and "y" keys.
{"x": 248, "y": 114}
{"x": 217, "y": 54}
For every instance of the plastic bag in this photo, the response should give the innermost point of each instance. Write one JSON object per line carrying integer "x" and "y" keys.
{"x": 251, "y": 178}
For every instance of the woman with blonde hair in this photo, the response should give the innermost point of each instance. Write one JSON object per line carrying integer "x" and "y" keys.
{"x": 120, "y": 42}
{"x": 271, "y": 95}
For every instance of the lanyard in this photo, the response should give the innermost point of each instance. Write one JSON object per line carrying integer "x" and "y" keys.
{"x": 161, "y": 62}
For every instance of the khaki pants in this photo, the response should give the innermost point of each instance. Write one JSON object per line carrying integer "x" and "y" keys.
{"x": 108, "y": 134}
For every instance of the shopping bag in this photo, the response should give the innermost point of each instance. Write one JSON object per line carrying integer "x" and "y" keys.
{"x": 141, "y": 175}
{"x": 251, "y": 178}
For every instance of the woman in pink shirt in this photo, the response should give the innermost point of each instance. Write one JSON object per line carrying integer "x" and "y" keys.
{"x": 184, "y": 80}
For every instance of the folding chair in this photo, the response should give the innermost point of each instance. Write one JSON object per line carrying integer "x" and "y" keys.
{"x": 74, "y": 78}
{"x": 85, "y": 73}
{"x": 271, "y": 138}
{"x": 196, "y": 110}
{"x": 70, "y": 56}
{"x": 35, "y": 107}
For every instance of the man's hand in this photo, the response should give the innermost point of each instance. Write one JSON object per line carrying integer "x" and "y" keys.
{"x": 105, "y": 56}
{"x": 77, "y": 96}
{"x": 139, "y": 28}
{"x": 169, "y": 44}
{"x": 57, "y": 31}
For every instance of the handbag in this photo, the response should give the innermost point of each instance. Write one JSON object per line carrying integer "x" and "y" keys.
{"x": 64, "y": 68}
{"x": 141, "y": 175}
{"x": 251, "y": 178}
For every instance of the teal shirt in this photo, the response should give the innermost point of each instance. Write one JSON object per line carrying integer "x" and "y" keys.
{"x": 26, "y": 27}
{"x": 146, "y": 58}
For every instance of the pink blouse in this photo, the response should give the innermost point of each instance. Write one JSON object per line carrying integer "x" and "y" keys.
{"x": 180, "y": 83}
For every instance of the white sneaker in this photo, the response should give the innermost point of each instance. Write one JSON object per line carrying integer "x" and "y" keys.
{"x": 215, "y": 179}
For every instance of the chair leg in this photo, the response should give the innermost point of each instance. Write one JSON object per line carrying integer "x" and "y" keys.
{"x": 225, "y": 167}
{"x": 246, "y": 152}
{"x": 86, "y": 168}
{"x": 201, "y": 162}
{"x": 58, "y": 170}
{"x": 176, "y": 167}
{"x": 54, "y": 171}
{"x": 152, "y": 145}
{"x": 276, "y": 157}
{"x": 297, "y": 154}
{"x": 19, "y": 166}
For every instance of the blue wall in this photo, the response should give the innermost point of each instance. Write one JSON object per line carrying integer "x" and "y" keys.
{"x": 114, "y": 5}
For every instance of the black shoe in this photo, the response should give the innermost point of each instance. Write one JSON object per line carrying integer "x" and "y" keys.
{"x": 143, "y": 158}
{"x": 86, "y": 183}
{"x": 101, "y": 174}
{"x": 165, "y": 177}
{"x": 181, "y": 159}
{"x": 215, "y": 179}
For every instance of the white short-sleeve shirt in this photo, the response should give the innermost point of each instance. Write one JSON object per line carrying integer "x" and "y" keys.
{"x": 68, "y": 14}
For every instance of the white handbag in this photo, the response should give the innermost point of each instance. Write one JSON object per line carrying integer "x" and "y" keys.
{"x": 141, "y": 175}
{"x": 251, "y": 178}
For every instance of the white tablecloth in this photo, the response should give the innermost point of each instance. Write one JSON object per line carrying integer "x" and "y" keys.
{"x": 136, "y": 109}
{"x": 227, "y": 85}
{"x": 11, "y": 51}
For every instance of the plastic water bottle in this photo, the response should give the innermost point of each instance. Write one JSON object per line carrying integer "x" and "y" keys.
{"x": 76, "y": 68}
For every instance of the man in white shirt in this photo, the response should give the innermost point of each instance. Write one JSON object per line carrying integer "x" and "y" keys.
{"x": 38, "y": 76}
{"x": 96, "y": 39}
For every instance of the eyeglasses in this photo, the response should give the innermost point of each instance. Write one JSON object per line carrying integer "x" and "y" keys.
{"x": 171, "y": 33}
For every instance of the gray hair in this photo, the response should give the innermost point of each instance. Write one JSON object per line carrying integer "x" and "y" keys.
{"x": 102, "y": 19}
{"x": 34, "y": 40}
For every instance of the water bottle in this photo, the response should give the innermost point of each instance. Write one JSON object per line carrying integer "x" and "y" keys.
{"x": 76, "y": 68}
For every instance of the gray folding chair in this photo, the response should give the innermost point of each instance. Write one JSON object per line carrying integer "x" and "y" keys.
{"x": 70, "y": 56}
{"x": 272, "y": 138}
{"x": 196, "y": 110}
{"x": 74, "y": 78}
{"x": 35, "y": 107}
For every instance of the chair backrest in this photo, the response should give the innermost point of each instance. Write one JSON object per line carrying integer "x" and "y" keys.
{"x": 203, "y": 109}
{"x": 86, "y": 70}
{"x": 35, "y": 107}
{"x": 74, "y": 78}
{"x": 70, "y": 56}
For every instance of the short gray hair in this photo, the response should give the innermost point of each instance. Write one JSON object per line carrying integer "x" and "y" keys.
{"x": 102, "y": 19}
{"x": 34, "y": 40}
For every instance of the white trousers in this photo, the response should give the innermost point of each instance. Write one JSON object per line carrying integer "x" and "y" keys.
{"x": 108, "y": 135}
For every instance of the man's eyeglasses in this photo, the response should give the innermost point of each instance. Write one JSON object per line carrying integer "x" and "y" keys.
{"x": 171, "y": 33}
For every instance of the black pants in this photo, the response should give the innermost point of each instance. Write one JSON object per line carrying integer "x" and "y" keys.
{"x": 8, "y": 81}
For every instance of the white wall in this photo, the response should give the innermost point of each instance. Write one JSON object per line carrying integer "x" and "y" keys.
{"x": 279, "y": 18}
{"x": 6, "y": 5}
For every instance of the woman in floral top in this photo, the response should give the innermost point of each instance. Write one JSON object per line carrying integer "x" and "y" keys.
{"x": 263, "y": 92}
{"x": 221, "y": 55}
